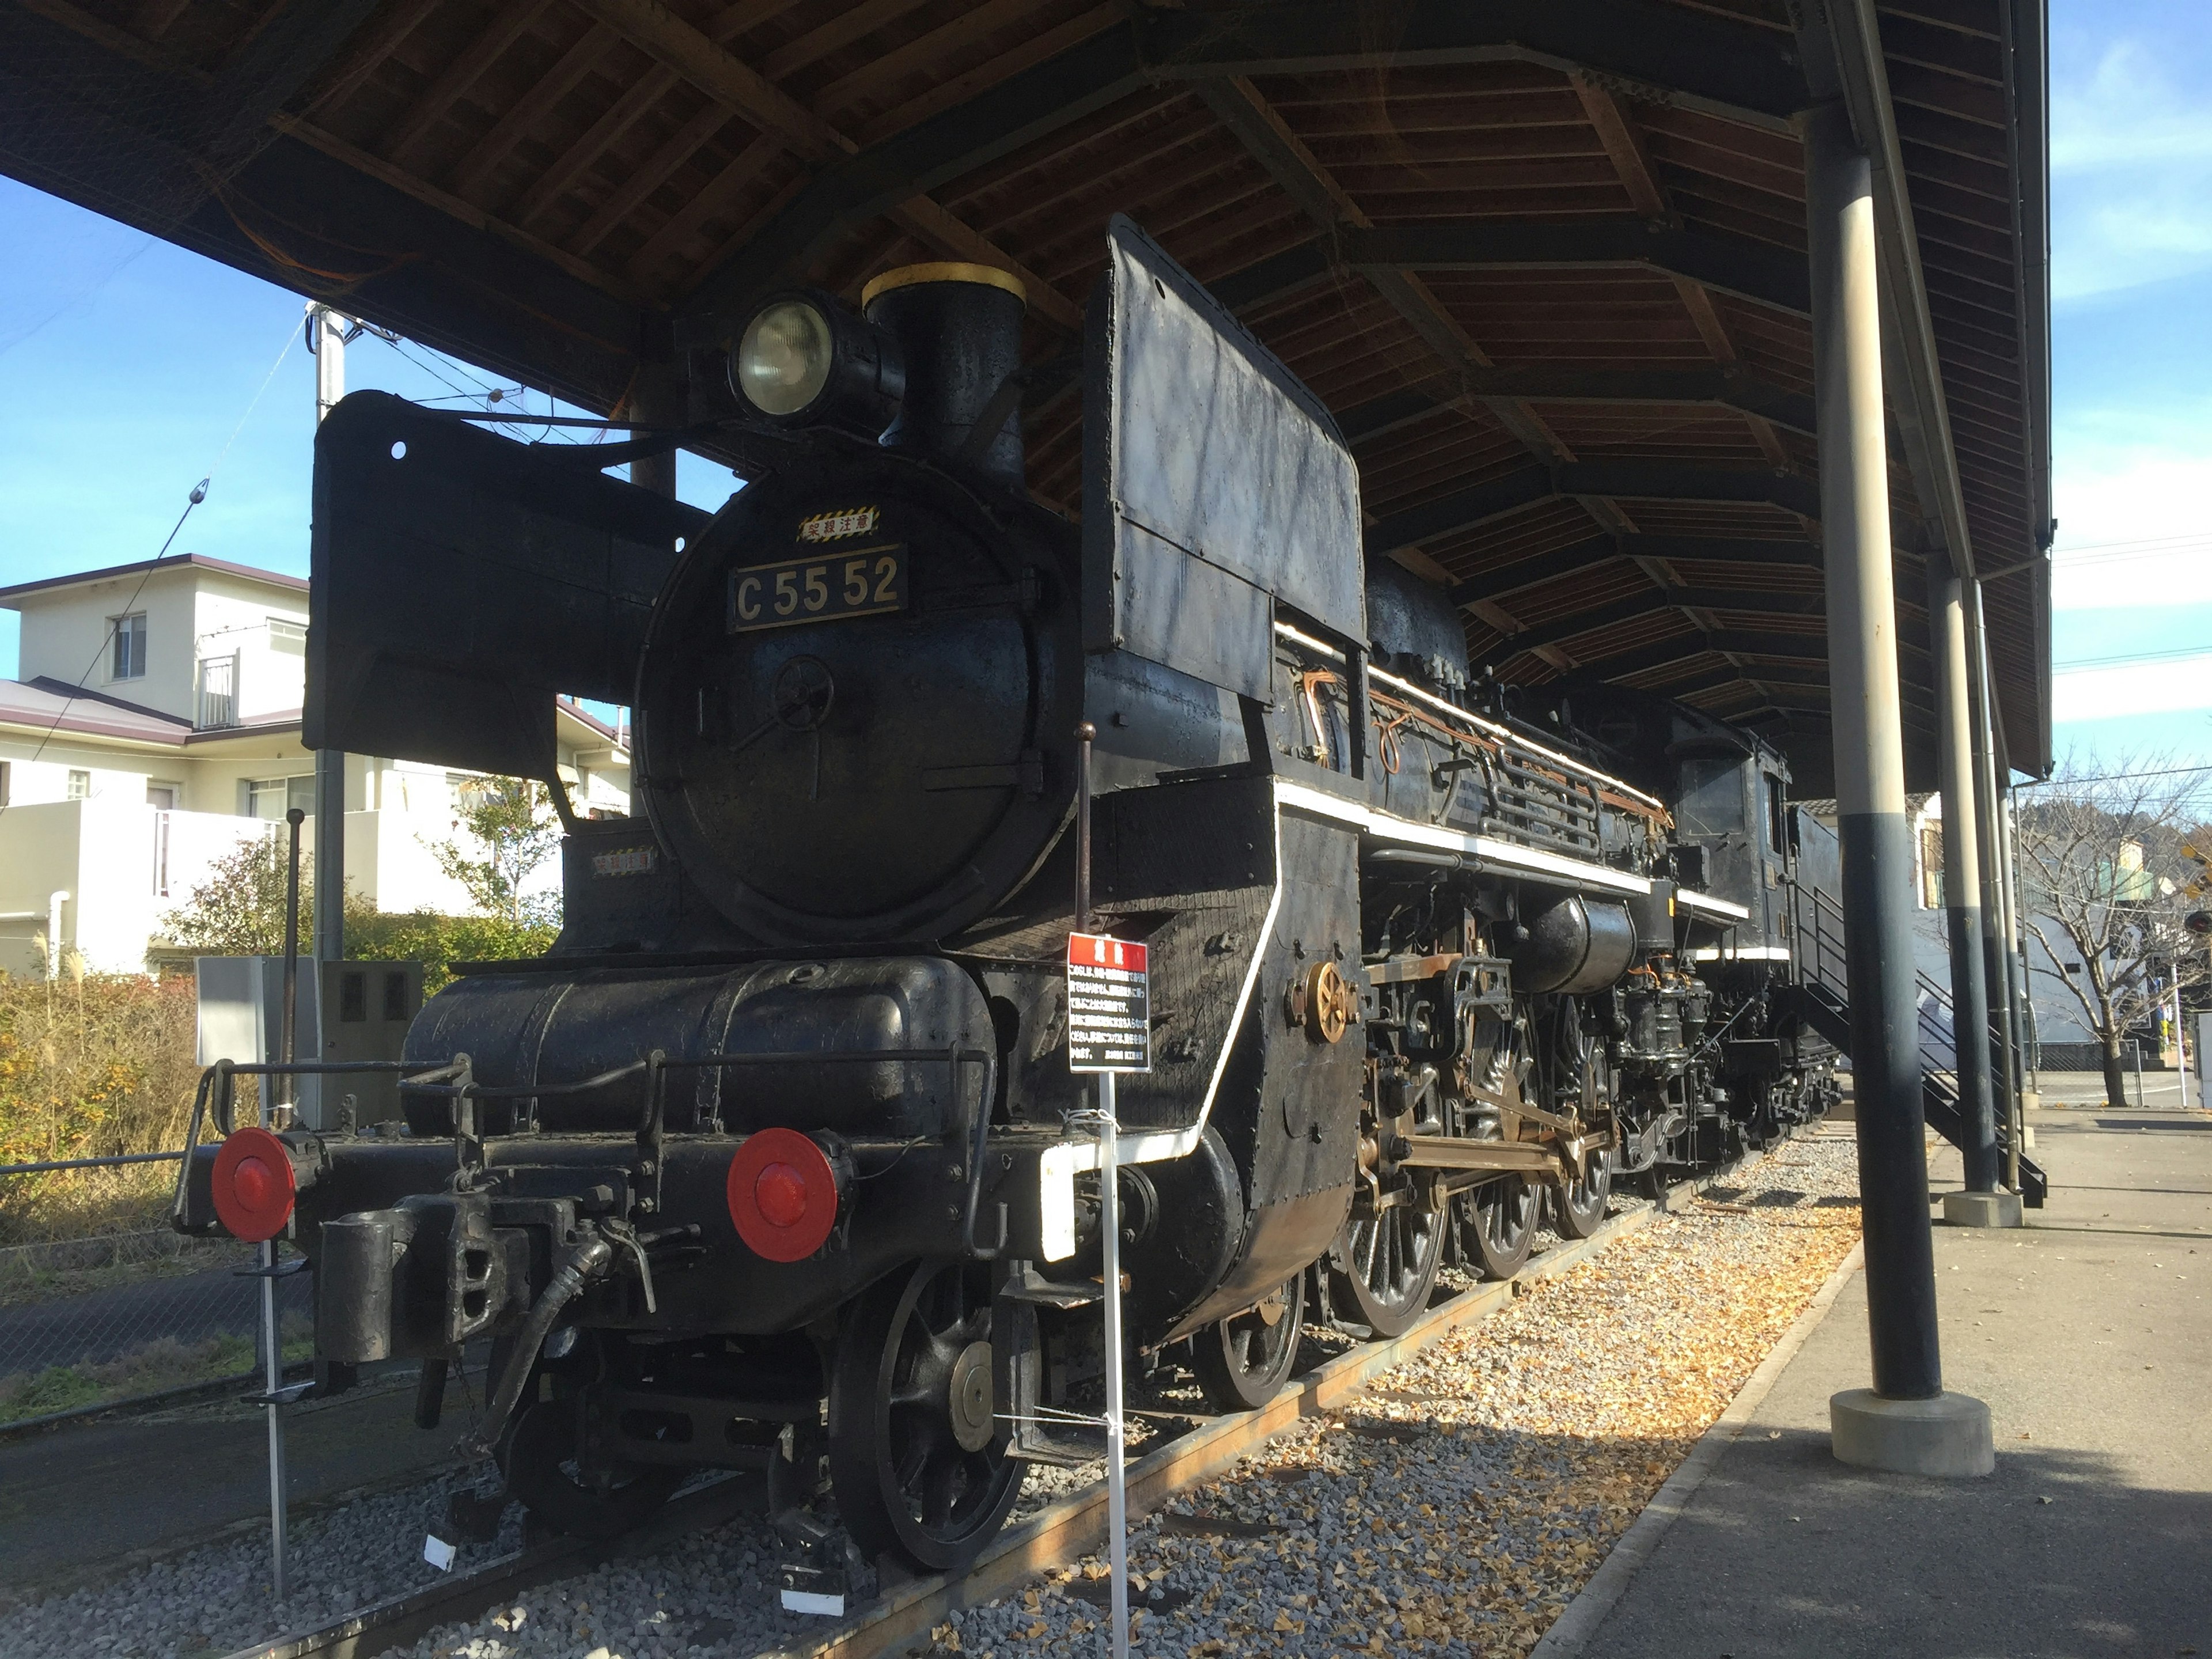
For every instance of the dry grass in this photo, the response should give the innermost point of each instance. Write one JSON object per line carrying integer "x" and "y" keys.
{"x": 165, "y": 1363}
{"x": 92, "y": 1066}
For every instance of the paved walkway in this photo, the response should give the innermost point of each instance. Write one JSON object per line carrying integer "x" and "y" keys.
{"x": 2090, "y": 1335}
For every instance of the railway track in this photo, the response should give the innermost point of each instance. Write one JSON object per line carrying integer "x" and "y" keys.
{"x": 1053, "y": 1535}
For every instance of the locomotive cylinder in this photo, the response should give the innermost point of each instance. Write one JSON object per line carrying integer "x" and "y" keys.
{"x": 1573, "y": 947}
{"x": 960, "y": 328}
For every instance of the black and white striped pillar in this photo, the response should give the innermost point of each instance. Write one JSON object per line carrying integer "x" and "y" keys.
{"x": 1966, "y": 890}
{"x": 1877, "y": 849}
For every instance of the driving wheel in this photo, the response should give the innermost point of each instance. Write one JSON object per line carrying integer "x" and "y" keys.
{"x": 1579, "y": 1205}
{"x": 1380, "y": 1270}
{"x": 1244, "y": 1361}
{"x": 1498, "y": 1220}
{"x": 917, "y": 1459}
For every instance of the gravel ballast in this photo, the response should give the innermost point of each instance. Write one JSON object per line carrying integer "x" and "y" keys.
{"x": 1455, "y": 1506}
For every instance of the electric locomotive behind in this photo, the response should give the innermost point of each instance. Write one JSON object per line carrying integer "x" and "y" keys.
{"x": 766, "y": 1164}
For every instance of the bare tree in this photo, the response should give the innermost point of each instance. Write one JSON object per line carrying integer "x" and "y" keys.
{"x": 2102, "y": 872}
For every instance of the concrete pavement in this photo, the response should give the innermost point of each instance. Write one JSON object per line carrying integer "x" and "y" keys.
{"x": 2089, "y": 1334}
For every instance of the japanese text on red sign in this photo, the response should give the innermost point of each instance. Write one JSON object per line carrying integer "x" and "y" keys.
{"x": 1108, "y": 1004}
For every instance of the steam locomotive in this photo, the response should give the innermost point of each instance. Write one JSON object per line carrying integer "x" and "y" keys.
{"x": 768, "y": 1163}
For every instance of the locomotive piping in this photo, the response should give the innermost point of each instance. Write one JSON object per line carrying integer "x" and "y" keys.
{"x": 1488, "y": 728}
{"x": 587, "y": 1262}
{"x": 1530, "y": 862}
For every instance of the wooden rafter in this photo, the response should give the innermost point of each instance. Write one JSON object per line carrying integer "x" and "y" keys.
{"x": 462, "y": 72}
{"x": 682, "y": 51}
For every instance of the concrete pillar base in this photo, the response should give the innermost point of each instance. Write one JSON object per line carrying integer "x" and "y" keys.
{"x": 1981, "y": 1210}
{"x": 1947, "y": 1436}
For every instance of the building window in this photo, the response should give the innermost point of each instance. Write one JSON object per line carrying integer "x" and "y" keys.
{"x": 127, "y": 658}
{"x": 287, "y": 636}
{"x": 4, "y": 783}
{"x": 167, "y": 797}
{"x": 272, "y": 797}
{"x": 80, "y": 784}
{"x": 1931, "y": 867}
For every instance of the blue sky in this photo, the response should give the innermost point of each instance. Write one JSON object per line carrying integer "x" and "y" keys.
{"x": 131, "y": 370}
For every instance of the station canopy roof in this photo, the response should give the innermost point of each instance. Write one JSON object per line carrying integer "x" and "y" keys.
{"x": 1544, "y": 259}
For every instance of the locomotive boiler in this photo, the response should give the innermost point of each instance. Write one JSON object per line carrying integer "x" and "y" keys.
{"x": 769, "y": 1163}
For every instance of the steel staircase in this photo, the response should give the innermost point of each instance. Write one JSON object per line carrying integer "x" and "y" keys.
{"x": 1823, "y": 997}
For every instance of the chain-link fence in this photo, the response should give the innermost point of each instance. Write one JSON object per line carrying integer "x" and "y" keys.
{"x": 125, "y": 1308}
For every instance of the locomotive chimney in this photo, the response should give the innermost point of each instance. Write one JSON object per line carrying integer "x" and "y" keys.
{"x": 960, "y": 329}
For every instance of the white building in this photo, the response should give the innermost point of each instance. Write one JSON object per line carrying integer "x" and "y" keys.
{"x": 155, "y": 725}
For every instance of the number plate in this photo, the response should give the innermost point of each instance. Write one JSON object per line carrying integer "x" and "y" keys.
{"x": 859, "y": 581}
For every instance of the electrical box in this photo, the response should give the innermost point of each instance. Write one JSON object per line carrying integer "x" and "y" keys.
{"x": 345, "y": 1011}
{"x": 367, "y": 1007}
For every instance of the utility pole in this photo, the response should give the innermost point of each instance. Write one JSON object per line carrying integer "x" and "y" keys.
{"x": 327, "y": 332}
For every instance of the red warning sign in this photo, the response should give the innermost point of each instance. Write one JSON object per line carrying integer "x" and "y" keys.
{"x": 1109, "y": 1027}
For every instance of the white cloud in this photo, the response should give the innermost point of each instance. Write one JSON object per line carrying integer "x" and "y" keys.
{"x": 2131, "y": 175}
{"x": 2093, "y": 694}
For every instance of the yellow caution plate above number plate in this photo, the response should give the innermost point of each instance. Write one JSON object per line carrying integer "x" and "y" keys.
{"x": 856, "y": 581}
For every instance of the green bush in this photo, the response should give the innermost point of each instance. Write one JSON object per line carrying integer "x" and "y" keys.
{"x": 438, "y": 942}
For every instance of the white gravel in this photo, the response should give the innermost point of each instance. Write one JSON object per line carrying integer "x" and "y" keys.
{"x": 218, "y": 1598}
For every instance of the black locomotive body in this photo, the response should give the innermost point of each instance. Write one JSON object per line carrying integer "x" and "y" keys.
{"x": 769, "y": 1161}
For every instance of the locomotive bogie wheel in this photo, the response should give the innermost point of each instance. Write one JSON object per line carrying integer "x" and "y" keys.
{"x": 1578, "y": 1204}
{"x": 917, "y": 1457}
{"x": 1245, "y": 1360}
{"x": 1382, "y": 1269}
{"x": 562, "y": 1489}
{"x": 1498, "y": 1220}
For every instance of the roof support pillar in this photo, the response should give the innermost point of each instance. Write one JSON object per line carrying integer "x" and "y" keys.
{"x": 1966, "y": 886}
{"x": 326, "y": 339}
{"x": 2003, "y": 968}
{"x": 1869, "y": 752}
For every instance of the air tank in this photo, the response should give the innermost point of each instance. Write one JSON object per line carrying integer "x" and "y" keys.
{"x": 1573, "y": 945}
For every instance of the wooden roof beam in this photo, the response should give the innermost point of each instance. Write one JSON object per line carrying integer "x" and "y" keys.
{"x": 1565, "y": 384}
{"x": 1615, "y": 479}
{"x": 678, "y": 47}
{"x": 461, "y": 72}
{"x": 1597, "y": 551}
{"x": 1798, "y": 648}
{"x": 1762, "y": 272}
{"x": 1267, "y": 138}
{"x": 276, "y": 64}
{"x": 1638, "y": 606}
{"x": 873, "y": 182}
{"x": 1734, "y": 71}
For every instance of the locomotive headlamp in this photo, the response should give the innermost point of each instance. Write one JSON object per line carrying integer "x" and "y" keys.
{"x": 804, "y": 361}
{"x": 783, "y": 361}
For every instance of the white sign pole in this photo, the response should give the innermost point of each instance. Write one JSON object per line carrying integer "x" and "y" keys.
{"x": 1109, "y": 1234}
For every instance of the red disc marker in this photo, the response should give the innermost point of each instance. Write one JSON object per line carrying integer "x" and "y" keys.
{"x": 253, "y": 1185}
{"x": 783, "y": 1195}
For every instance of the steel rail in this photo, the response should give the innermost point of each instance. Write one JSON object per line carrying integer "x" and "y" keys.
{"x": 1051, "y": 1538}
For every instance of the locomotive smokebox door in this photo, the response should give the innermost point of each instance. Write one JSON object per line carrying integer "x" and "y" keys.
{"x": 462, "y": 580}
{"x": 1215, "y": 485}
